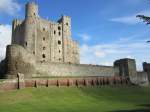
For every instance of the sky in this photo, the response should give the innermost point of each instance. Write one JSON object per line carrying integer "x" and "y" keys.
{"x": 106, "y": 30}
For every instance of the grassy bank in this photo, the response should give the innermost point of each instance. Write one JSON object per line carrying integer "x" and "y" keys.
{"x": 63, "y": 99}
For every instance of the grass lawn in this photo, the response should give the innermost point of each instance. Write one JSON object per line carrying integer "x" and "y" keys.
{"x": 72, "y": 99}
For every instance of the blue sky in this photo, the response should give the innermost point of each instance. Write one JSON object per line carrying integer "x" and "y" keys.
{"x": 106, "y": 29}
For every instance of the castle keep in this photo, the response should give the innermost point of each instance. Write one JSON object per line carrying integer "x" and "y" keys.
{"x": 45, "y": 49}
{"x": 48, "y": 41}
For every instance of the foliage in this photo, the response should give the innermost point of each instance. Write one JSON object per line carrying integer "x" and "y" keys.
{"x": 144, "y": 18}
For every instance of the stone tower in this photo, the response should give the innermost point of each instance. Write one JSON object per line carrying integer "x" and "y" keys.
{"x": 48, "y": 41}
{"x": 127, "y": 68}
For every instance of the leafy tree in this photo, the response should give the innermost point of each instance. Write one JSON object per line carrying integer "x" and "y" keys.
{"x": 145, "y": 19}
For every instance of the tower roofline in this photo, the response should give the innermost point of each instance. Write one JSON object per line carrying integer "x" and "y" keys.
{"x": 33, "y": 2}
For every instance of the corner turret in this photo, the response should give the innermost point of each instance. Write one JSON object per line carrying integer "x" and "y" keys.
{"x": 31, "y": 10}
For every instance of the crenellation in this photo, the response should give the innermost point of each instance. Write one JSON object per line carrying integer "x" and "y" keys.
{"x": 17, "y": 27}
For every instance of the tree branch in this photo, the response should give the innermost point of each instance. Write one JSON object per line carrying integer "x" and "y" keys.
{"x": 145, "y": 19}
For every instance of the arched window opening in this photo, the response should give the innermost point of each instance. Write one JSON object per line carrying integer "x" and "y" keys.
{"x": 59, "y": 28}
{"x": 26, "y": 44}
{"x": 43, "y": 56}
{"x": 54, "y": 32}
{"x": 59, "y": 33}
{"x": 67, "y": 24}
{"x": 44, "y": 38}
{"x": 59, "y": 42}
{"x": 43, "y": 29}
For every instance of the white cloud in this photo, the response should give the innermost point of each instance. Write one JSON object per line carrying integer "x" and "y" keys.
{"x": 126, "y": 20}
{"x": 131, "y": 19}
{"x": 99, "y": 54}
{"x": 85, "y": 37}
{"x": 106, "y": 54}
{"x": 10, "y": 7}
{"x": 5, "y": 39}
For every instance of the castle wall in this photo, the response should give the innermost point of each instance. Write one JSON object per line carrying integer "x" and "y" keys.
{"x": 20, "y": 83}
{"x": 146, "y": 68}
{"x": 76, "y": 51}
{"x": 2, "y": 69}
{"x": 142, "y": 78}
{"x": 48, "y": 41}
{"x": 43, "y": 52}
{"x": 127, "y": 68}
{"x": 18, "y": 60}
{"x": 61, "y": 69}
{"x": 8, "y": 84}
{"x": 17, "y": 32}
{"x": 66, "y": 26}
{"x": 58, "y": 52}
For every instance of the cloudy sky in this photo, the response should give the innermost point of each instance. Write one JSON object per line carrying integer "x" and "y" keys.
{"x": 106, "y": 29}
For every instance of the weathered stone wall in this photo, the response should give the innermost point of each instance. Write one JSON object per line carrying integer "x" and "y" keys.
{"x": 19, "y": 83}
{"x": 18, "y": 60}
{"x": 146, "y": 68}
{"x": 46, "y": 49}
{"x": 17, "y": 32}
{"x": 127, "y": 68}
{"x": 142, "y": 78}
{"x": 8, "y": 84}
{"x": 2, "y": 69}
{"x": 61, "y": 69}
{"x": 48, "y": 41}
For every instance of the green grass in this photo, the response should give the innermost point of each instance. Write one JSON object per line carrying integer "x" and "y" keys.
{"x": 72, "y": 99}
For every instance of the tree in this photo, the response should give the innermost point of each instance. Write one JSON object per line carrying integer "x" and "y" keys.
{"x": 145, "y": 19}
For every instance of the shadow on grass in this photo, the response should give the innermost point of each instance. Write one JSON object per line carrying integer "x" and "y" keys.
{"x": 117, "y": 93}
{"x": 146, "y": 108}
{"x": 138, "y": 96}
{"x": 131, "y": 94}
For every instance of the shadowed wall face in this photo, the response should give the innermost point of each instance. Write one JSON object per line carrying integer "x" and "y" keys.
{"x": 20, "y": 82}
{"x": 146, "y": 68}
{"x": 18, "y": 60}
{"x": 142, "y": 78}
{"x": 127, "y": 67}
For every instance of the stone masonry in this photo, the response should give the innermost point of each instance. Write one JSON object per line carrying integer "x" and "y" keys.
{"x": 45, "y": 49}
{"x": 146, "y": 68}
{"x": 48, "y": 41}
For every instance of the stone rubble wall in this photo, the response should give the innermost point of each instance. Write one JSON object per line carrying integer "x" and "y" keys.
{"x": 18, "y": 60}
{"x": 142, "y": 78}
{"x": 8, "y": 84}
{"x": 61, "y": 69}
{"x": 20, "y": 83}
